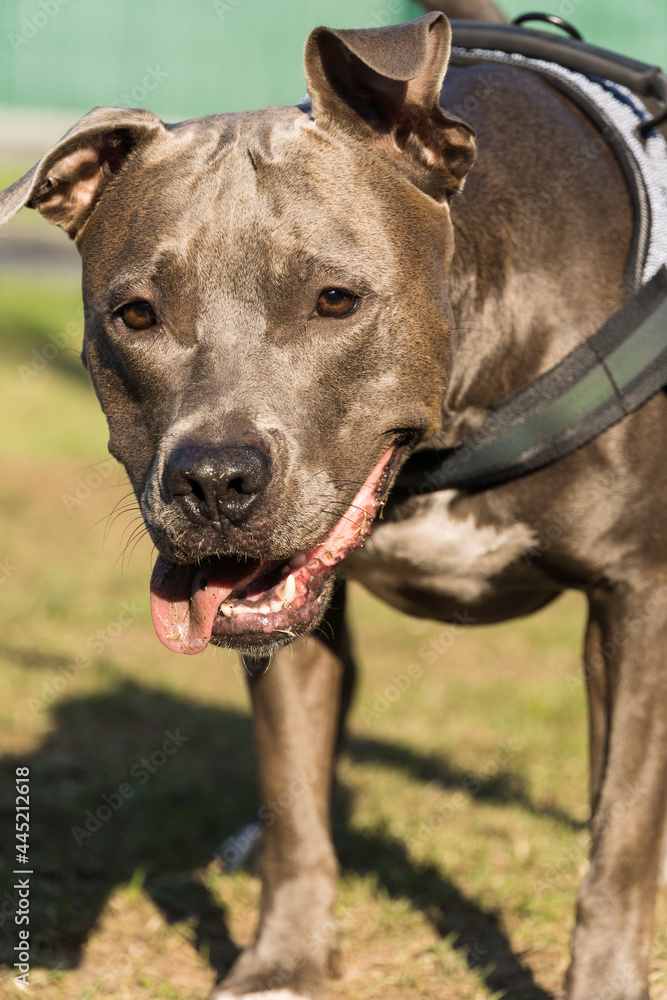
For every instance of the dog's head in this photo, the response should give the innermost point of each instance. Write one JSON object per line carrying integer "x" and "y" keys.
{"x": 266, "y": 319}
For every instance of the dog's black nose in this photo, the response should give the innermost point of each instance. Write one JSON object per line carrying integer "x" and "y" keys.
{"x": 217, "y": 482}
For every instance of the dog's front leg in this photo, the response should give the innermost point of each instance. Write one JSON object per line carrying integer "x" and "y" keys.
{"x": 296, "y": 704}
{"x": 612, "y": 938}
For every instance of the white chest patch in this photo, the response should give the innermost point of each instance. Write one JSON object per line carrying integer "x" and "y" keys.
{"x": 439, "y": 551}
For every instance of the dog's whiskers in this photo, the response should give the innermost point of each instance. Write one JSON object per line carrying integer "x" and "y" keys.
{"x": 139, "y": 532}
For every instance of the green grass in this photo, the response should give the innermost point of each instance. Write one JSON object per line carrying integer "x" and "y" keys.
{"x": 461, "y": 808}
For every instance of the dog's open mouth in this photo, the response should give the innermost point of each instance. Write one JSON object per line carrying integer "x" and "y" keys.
{"x": 251, "y": 603}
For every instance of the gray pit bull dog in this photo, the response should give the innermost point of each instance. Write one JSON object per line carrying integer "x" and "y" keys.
{"x": 280, "y": 306}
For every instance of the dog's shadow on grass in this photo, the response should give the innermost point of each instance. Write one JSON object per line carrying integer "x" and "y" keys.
{"x": 135, "y": 780}
{"x": 130, "y": 782}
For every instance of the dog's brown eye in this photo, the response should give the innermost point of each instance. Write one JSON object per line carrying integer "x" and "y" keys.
{"x": 138, "y": 315}
{"x": 336, "y": 302}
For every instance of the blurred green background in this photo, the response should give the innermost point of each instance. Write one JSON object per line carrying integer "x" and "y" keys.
{"x": 185, "y": 60}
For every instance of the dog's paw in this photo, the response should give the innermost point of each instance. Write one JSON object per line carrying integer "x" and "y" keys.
{"x": 266, "y": 995}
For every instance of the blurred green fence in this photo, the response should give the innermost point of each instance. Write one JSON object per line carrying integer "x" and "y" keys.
{"x": 179, "y": 59}
{"x": 185, "y": 59}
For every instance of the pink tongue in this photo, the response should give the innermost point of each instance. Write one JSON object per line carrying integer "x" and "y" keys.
{"x": 185, "y": 599}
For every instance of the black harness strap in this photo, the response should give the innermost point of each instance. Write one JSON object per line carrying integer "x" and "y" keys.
{"x": 616, "y": 370}
{"x": 610, "y": 375}
{"x": 642, "y": 78}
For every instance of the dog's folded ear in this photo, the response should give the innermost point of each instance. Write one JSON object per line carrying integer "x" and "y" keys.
{"x": 67, "y": 182}
{"x": 384, "y": 85}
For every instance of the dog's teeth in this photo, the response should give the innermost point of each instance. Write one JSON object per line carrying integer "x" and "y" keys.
{"x": 227, "y": 610}
{"x": 289, "y": 590}
{"x": 276, "y": 606}
{"x": 264, "y": 610}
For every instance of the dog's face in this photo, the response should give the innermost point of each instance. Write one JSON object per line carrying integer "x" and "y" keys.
{"x": 267, "y": 321}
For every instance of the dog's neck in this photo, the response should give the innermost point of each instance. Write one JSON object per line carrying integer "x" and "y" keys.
{"x": 492, "y": 351}
{"x": 515, "y": 313}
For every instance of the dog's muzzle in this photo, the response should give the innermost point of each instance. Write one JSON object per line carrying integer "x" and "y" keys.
{"x": 251, "y": 604}
{"x": 214, "y": 484}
